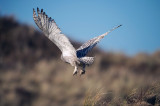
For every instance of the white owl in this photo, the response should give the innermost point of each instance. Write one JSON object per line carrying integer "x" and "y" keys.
{"x": 69, "y": 53}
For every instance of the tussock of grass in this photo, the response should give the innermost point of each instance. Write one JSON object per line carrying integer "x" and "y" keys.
{"x": 92, "y": 97}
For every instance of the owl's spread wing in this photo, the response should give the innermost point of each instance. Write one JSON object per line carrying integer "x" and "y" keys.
{"x": 51, "y": 30}
{"x": 86, "y": 47}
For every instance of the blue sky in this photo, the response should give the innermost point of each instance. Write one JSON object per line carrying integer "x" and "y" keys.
{"x": 82, "y": 20}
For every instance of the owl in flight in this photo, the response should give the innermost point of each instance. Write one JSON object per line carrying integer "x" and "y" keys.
{"x": 69, "y": 53}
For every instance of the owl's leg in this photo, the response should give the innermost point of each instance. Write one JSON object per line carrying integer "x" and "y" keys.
{"x": 75, "y": 70}
{"x": 83, "y": 69}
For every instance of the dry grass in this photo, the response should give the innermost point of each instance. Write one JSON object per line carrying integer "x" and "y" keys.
{"x": 47, "y": 83}
{"x": 92, "y": 97}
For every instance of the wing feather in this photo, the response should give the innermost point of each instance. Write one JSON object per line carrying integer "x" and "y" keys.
{"x": 86, "y": 47}
{"x": 53, "y": 32}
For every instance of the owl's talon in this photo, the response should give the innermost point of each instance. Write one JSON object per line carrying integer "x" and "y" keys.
{"x": 82, "y": 72}
{"x": 75, "y": 70}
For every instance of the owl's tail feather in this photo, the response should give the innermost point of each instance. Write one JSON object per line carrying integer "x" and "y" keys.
{"x": 87, "y": 60}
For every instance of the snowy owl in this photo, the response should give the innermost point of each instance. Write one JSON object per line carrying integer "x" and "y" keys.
{"x": 69, "y": 53}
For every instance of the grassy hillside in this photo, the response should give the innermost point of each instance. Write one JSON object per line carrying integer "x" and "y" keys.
{"x": 32, "y": 74}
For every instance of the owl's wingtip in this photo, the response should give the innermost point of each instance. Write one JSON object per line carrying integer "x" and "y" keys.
{"x": 120, "y": 25}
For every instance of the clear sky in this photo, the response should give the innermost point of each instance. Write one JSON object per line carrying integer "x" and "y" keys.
{"x": 82, "y": 20}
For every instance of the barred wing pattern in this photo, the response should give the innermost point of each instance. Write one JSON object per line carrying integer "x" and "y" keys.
{"x": 51, "y": 30}
{"x": 86, "y": 60}
{"x": 86, "y": 47}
